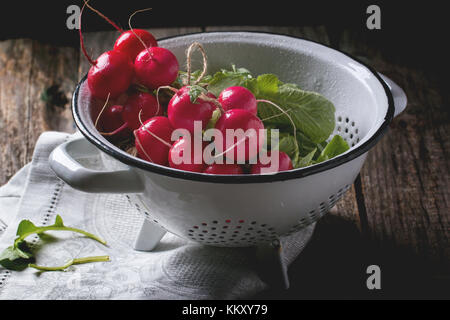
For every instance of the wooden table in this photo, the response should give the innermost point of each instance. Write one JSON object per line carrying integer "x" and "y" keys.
{"x": 396, "y": 214}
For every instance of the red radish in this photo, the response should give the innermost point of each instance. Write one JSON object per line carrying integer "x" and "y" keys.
{"x": 133, "y": 106}
{"x": 238, "y": 98}
{"x": 156, "y": 67}
{"x": 235, "y": 119}
{"x": 225, "y": 168}
{"x": 182, "y": 112}
{"x": 284, "y": 163}
{"x": 129, "y": 44}
{"x": 194, "y": 163}
{"x": 109, "y": 75}
{"x": 111, "y": 118}
{"x": 153, "y": 140}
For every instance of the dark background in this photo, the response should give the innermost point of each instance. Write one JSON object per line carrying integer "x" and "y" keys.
{"x": 411, "y": 31}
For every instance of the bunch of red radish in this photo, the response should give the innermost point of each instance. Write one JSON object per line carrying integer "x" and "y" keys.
{"x": 137, "y": 61}
{"x": 239, "y": 111}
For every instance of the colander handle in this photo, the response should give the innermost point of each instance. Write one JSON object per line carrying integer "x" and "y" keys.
{"x": 400, "y": 99}
{"x": 63, "y": 162}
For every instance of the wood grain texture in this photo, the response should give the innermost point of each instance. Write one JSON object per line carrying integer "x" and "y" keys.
{"x": 27, "y": 70}
{"x": 405, "y": 180}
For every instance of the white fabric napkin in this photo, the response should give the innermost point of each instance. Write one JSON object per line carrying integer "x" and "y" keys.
{"x": 176, "y": 269}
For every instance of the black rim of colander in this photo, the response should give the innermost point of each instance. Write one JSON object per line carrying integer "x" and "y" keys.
{"x": 244, "y": 178}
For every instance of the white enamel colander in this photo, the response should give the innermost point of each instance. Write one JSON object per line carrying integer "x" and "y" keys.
{"x": 243, "y": 210}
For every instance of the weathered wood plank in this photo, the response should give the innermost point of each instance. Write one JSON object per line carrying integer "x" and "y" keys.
{"x": 15, "y": 69}
{"x": 27, "y": 69}
{"x": 98, "y": 42}
{"x": 405, "y": 180}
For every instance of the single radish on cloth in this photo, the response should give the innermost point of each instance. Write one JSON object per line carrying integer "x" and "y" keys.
{"x": 182, "y": 112}
{"x": 111, "y": 73}
{"x": 135, "y": 103}
{"x": 129, "y": 43}
{"x": 156, "y": 67}
{"x": 224, "y": 169}
{"x": 244, "y": 139}
{"x": 238, "y": 98}
{"x": 284, "y": 163}
{"x": 153, "y": 140}
{"x": 184, "y": 156}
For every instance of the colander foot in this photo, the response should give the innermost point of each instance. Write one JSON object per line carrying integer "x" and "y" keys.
{"x": 148, "y": 236}
{"x": 270, "y": 266}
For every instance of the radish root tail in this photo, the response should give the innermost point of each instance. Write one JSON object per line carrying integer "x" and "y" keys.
{"x": 283, "y": 112}
{"x": 101, "y": 111}
{"x": 151, "y": 133}
{"x": 140, "y": 145}
{"x": 92, "y": 62}
{"x": 103, "y": 16}
{"x": 157, "y": 94}
{"x": 132, "y": 30}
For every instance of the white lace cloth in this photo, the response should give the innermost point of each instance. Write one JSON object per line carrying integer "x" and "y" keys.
{"x": 176, "y": 269}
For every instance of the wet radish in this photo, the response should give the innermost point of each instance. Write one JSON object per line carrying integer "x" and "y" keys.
{"x": 284, "y": 163}
{"x": 183, "y": 156}
{"x": 111, "y": 119}
{"x": 156, "y": 67}
{"x": 247, "y": 145}
{"x": 134, "y": 104}
{"x": 153, "y": 140}
{"x": 238, "y": 98}
{"x": 223, "y": 169}
{"x": 111, "y": 74}
{"x": 129, "y": 43}
{"x": 182, "y": 112}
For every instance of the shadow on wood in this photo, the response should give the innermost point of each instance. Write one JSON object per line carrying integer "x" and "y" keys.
{"x": 334, "y": 265}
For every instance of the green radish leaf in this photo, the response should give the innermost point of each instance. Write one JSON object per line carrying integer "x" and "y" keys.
{"x": 19, "y": 255}
{"x": 224, "y": 79}
{"x": 182, "y": 79}
{"x": 335, "y": 147}
{"x": 195, "y": 92}
{"x": 312, "y": 114}
{"x": 26, "y": 227}
{"x": 215, "y": 117}
{"x": 58, "y": 221}
{"x": 16, "y": 258}
{"x": 288, "y": 145}
{"x": 264, "y": 85}
{"x": 306, "y": 146}
{"x": 306, "y": 160}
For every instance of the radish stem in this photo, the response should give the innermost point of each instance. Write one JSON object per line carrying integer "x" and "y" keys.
{"x": 92, "y": 62}
{"x": 101, "y": 111}
{"x": 103, "y": 16}
{"x": 71, "y": 263}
